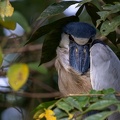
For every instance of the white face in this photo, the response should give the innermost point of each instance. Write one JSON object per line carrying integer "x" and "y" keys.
{"x": 80, "y": 41}
{"x": 65, "y": 40}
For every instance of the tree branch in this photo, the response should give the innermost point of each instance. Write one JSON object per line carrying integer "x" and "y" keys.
{"x": 34, "y": 95}
{"x": 23, "y": 49}
{"x": 91, "y": 95}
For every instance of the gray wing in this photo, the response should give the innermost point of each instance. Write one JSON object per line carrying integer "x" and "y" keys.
{"x": 104, "y": 68}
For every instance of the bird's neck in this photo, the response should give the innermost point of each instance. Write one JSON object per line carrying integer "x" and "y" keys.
{"x": 69, "y": 80}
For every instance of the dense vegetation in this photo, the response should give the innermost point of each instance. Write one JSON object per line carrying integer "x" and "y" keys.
{"x": 32, "y": 85}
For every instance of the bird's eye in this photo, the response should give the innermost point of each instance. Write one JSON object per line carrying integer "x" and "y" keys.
{"x": 71, "y": 38}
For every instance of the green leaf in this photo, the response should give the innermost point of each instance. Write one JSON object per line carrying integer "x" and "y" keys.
{"x": 109, "y": 9}
{"x": 64, "y": 106}
{"x": 109, "y": 96}
{"x": 43, "y": 106}
{"x": 73, "y": 102}
{"x": 118, "y": 107}
{"x": 56, "y": 8}
{"x": 34, "y": 66}
{"x": 49, "y": 27}
{"x": 83, "y": 101}
{"x": 110, "y": 1}
{"x": 50, "y": 45}
{"x": 112, "y": 37}
{"x": 92, "y": 11}
{"x": 36, "y": 115}
{"x": 108, "y": 26}
{"x": 85, "y": 17}
{"x": 95, "y": 98}
{"x": 103, "y": 14}
{"x": 112, "y": 8}
{"x": 108, "y": 91}
{"x": 19, "y": 18}
{"x": 100, "y": 116}
{"x": 96, "y": 92}
{"x": 97, "y": 4}
{"x": 83, "y": 2}
{"x": 80, "y": 10}
{"x": 101, "y": 104}
{"x": 60, "y": 113}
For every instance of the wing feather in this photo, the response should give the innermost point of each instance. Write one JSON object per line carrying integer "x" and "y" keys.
{"x": 104, "y": 68}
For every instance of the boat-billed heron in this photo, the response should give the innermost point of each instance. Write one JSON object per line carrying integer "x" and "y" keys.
{"x": 84, "y": 63}
{"x": 73, "y": 58}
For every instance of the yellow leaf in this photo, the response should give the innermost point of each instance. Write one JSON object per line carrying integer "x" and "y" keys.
{"x": 6, "y": 9}
{"x": 8, "y": 24}
{"x": 1, "y": 56}
{"x": 48, "y": 114}
{"x": 41, "y": 115}
{"x": 50, "y": 117}
{"x": 36, "y": 115}
{"x": 70, "y": 116}
{"x": 17, "y": 75}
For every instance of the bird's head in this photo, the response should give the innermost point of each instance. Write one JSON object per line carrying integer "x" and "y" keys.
{"x": 76, "y": 37}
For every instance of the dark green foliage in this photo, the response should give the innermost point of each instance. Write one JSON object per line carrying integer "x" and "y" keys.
{"x": 49, "y": 27}
{"x": 84, "y": 104}
{"x": 92, "y": 11}
{"x": 56, "y": 8}
{"x": 106, "y": 18}
{"x": 80, "y": 10}
{"x": 50, "y": 45}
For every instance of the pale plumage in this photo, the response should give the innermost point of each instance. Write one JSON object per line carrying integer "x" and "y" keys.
{"x": 104, "y": 68}
{"x": 69, "y": 80}
{"x": 80, "y": 52}
{"x": 105, "y": 71}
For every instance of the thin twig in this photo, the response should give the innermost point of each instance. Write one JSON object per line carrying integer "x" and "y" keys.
{"x": 50, "y": 95}
{"x": 43, "y": 85}
{"x": 34, "y": 95}
{"x": 91, "y": 95}
{"x": 23, "y": 49}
